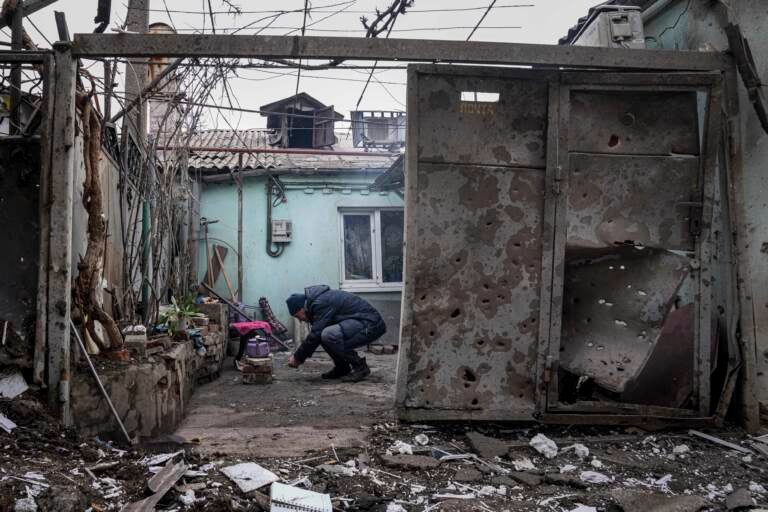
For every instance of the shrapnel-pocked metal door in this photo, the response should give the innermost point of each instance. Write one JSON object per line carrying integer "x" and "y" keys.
{"x": 475, "y": 252}
{"x": 557, "y": 243}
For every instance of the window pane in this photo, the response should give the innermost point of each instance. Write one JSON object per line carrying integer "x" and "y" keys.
{"x": 358, "y": 258}
{"x": 392, "y": 246}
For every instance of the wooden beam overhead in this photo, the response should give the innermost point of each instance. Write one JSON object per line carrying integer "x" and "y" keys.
{"x": 31, "y": 7}
{"x": 406, "y": 50}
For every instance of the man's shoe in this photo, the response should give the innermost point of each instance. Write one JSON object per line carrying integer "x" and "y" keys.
{"x": 359, "y": 373}
{"x": 337, "y": 372}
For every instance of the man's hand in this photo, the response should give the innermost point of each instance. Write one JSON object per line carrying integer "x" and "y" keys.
{"x": 293, "y": 362}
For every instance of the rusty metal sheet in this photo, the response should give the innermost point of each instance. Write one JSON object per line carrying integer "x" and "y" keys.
{"x": 667, "y": 379}
{"x": 634, "y": 122}
{"x": 510, "y": 131}
{"x": 476, "y": 292}
{"x": 614, "y": 199}
{"x": 615, "y": 304}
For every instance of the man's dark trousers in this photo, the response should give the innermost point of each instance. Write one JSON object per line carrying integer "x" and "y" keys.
{"x": 340, "y": 340}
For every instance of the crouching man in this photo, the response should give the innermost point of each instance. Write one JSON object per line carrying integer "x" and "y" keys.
{"x": 341, "y": 322}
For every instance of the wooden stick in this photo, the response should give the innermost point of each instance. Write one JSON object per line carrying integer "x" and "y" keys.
{"x": 226, "y": 277}
{"x": 717, "y": 440}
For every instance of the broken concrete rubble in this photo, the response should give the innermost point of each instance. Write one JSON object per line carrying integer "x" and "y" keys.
{"x": 415, "y": 462}
{"x": 487, "y": 447}
{"x": 739, "y": 499}
{"x": 637, "y": 501}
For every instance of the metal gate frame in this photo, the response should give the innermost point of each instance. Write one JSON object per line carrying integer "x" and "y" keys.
{"x": 553, "y": 242}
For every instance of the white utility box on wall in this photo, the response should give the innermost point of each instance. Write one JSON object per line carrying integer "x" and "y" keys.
{"x": 282, "y": 231}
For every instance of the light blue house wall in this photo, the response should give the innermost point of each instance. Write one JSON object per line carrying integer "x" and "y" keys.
{"x": 313, "y": 257}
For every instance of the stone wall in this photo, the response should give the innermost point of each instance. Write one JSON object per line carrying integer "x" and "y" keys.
{"x": 149, "y": 393}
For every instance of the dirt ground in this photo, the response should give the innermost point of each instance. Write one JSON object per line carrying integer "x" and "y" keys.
{"x": 297, "y": 413}
{"x": 341, "y": 440}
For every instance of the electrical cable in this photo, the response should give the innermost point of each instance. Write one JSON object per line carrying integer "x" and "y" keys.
{"x": 481, "y": 20}
{"x": 323, "y": 9}
{"x": 303, "y": 30}
{"x": 340, "y": 11}
{"x": 233, "y": 30}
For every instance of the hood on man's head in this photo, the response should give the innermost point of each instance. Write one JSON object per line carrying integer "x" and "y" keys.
{"x": 295, "y": 302}
{"x": 313, "y": 292}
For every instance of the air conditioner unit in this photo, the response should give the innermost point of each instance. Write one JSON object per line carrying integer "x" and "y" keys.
{"x": 282, "y": 231}
{"x": 612, "y": 26}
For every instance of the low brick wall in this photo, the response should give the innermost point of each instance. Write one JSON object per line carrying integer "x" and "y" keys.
{"x": 151, "y": 393}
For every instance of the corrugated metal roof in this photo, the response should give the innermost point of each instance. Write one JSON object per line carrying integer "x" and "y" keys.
{"x": 225, "y": 161}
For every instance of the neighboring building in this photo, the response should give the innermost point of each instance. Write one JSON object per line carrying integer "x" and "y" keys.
{"x": 693, "y": 26}
{"x": 301, "y": 122}
{"x": 341, "y": 232}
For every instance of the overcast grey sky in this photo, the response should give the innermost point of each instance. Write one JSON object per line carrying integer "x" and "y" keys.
{"x": 540, "y": 21}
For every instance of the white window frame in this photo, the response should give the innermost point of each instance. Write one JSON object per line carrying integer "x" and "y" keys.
{"x": 366, "y": 285}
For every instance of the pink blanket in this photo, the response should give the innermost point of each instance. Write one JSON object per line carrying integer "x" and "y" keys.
{"x": 246, "y": 327}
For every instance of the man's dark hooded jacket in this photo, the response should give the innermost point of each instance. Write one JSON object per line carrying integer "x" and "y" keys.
{"x": 327, "y": 307}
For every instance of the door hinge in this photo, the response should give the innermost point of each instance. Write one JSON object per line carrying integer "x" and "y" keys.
{"x": 556, "y": 187}
{"x": 548, "y": 370}
{"x": 695, "y": 209}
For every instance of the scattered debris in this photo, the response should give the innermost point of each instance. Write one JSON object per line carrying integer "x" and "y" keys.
{"x": 583, "y": 508}
{"x": 636, "y": 501}
{"x": 681, "y": 449}
{"x": 12, "y": 384}
{"x": 421, "y": 439}
{"x": 529, "y": 479}
{"x": 249, "y": 476}
{"x": 159, "y": 484}
{"x": 523, "y": 464}
{"x": 187, "y": 498}
{"x": 579, "y": 449}
{"x": 487, "y": 447}
{"x": 593, "y": 477}
{"x": 409, "y": 461}
{"x": 738, "y": 499}
{"x": 402, "y": 448}
{"x": 544, "y": 446}
{"x": 6, "y": 424}
{"x": 467, "y": 474}
{"x": 337, "y": 469}
{"x": 27, "y": 504}
{"x": 285, "y": 498}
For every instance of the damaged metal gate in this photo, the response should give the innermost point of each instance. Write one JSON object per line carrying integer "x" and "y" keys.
{"x": 557, "y": 244}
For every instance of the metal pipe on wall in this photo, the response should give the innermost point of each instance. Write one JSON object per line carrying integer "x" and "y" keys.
{"x": 239, "y": 229}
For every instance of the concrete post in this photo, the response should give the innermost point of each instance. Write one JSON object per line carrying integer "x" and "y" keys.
{"x": 60, "y": 260}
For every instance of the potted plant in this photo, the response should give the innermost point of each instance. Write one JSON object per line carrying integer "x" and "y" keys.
{"x": 177, "y": 316}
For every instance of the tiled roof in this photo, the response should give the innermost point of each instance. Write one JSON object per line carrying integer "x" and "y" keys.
{"x": 393, "y": 179}
{"x": 223, "y": 161}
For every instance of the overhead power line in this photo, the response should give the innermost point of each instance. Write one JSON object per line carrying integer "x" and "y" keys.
{"x": 341, "y": 30}
{"x": 303, "y": 30}
{"x": 325, "y": 9}
{"x": 480, "y": 22}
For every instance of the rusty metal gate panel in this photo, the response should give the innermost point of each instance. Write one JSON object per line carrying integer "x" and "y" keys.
{"x": 474, "y": 253}
{"x": 632, "y": 243}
